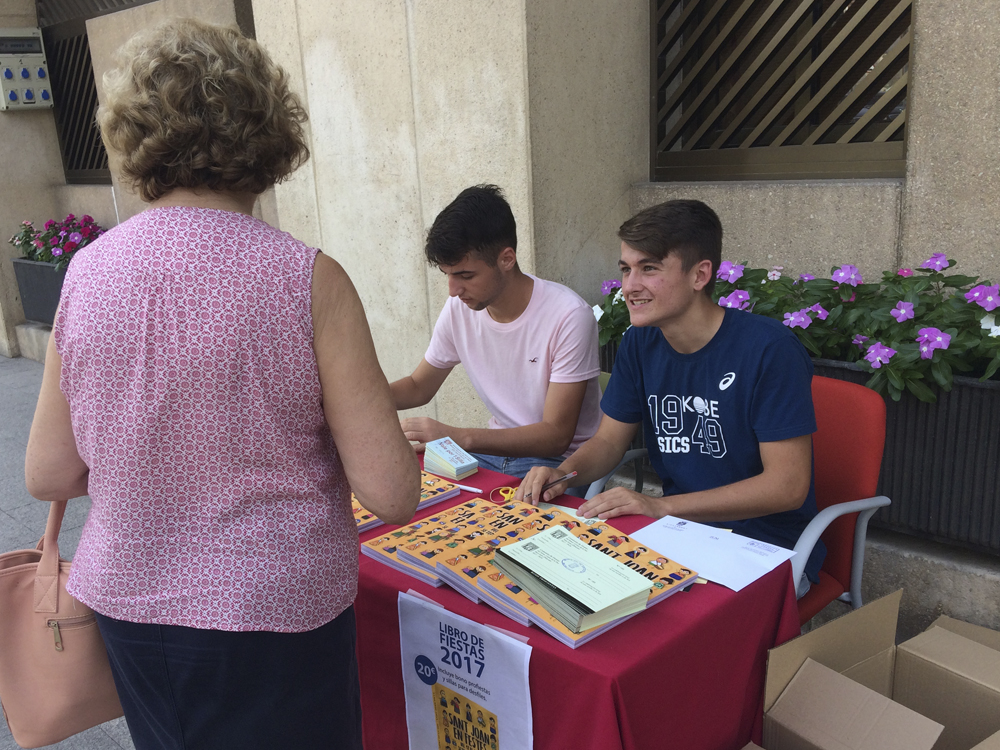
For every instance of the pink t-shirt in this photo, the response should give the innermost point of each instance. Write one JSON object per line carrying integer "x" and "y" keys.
{"x": 219, "y": 499}
{"x": 511, "y": 364}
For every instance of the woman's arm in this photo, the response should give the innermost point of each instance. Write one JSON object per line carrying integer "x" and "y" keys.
{"x": 53, "y": 469}
{"x": 380, "y": 464}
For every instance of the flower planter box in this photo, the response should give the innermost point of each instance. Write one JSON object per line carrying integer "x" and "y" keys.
{"x": 40, "y": 285}
{"x": 941, "y": 466}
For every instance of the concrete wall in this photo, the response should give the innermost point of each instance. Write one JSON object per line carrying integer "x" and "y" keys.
{"x": 805, "y": 226}
{"x": 32, "y": 168}
{"x": 412, "y": 102}
{"x": 952, "y": 193}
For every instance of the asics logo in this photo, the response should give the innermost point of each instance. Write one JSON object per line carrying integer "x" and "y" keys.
{"x": 727, "y": 380}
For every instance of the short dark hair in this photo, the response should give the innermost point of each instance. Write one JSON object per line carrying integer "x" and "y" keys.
{"x": 478, "y": 221}
{"x": 688, "y": 228}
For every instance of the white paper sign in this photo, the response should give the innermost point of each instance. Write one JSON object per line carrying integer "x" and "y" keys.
{"x": 727, "y": 558}
{"x": 466, "y": 684}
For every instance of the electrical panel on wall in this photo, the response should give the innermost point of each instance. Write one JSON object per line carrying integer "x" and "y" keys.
{"x": 24, "y": 71}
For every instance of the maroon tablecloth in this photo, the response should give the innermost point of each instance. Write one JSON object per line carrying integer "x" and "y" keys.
{"x": 686, "y": 674}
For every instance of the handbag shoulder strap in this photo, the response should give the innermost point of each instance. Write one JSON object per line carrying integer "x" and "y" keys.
{"x": 47, "y": 573}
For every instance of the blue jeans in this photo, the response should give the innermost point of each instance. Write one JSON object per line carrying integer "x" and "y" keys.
{"x": 518, "y": 466}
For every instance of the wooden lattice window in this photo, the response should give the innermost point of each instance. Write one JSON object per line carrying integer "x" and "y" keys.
{"x": 779, "y": 89}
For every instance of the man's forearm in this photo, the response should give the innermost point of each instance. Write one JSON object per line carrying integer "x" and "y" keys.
{"x": 539, "y": 439}
{"x": 406, "y": 394}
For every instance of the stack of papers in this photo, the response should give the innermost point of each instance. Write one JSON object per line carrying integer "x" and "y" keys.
{"x": 579, "y": 586}
{"x": 445, "y": 457}
{"x": 729, "y": 559}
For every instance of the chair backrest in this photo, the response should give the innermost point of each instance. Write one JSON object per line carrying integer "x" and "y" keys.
{"x": 847, "y": 451}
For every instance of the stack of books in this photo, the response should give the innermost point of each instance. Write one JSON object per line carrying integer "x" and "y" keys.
{"x": 460, "y": 547}
{"x": 445, "y": 457}
{"x": 432, "y": 490}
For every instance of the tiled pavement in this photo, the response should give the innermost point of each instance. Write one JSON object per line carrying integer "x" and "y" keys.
{"x": 22, "y": 518}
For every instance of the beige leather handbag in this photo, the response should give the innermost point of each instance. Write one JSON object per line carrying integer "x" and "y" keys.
{"x": 55, "y": 679}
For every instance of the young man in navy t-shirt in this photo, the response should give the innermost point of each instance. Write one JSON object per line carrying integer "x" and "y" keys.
{"x": 723, "y": 396}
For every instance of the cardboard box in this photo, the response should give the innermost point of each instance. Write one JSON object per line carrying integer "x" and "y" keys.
{"x": 948, "y": 677}
{"x": 951, "y": 674}
{"x": 831, "y": 689}
{"x": 990, "y": 743}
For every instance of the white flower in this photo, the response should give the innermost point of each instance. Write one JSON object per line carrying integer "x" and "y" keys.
{"x": 618, "y": 296}
{"x": 988, "y": 321}
{"x": 764, "y": 281}
{"x": 598, "y": 312}
{"x": 774, "y": 275}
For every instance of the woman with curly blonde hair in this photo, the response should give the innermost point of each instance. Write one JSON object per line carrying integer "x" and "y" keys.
{"x": 196, "y": 387}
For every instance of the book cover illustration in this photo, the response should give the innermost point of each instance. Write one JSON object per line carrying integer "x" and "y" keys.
{"x": 414, "y": 539}
{"x": 462, "y": 723}
{"x": 432, "y": 490}
{"x": 666, "y": 577}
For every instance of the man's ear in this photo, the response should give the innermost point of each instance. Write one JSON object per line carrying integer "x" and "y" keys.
{"x": 702, "y": 274}
{"x": 507, "y": 259}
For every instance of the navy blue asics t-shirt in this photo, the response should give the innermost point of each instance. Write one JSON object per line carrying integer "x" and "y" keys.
{"x": 704, "y": 414}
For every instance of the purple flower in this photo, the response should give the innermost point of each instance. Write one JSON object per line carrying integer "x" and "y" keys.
{"x": 57, "y": 251}
{"x": 987, "y": 297}
{"x": 729, "y": 271}
{"x": 931, "y": 339}
{"x": 903, "y": 311}
{"x": 76, "y": 237}
{"x": 797, "y": 319}
{"x": 848, "y": 274}
{"x": 820, "y": 312}
{"x": 937, "y": 262}
{"x": 737, "y": 299}
{"x": 858, "y": 339}
{"x": 904, "y": 272}
{"x": 878, "y": 354}
{"x": 806, "y": 276}
{"x": 607, "y": 286}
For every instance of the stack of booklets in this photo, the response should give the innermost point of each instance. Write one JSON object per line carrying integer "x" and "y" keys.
{"x": 445, "y": 457}
{"x": 458, "y": 547}
{"x": 432, "y": 490}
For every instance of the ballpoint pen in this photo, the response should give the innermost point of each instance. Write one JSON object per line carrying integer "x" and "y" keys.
{"x": 553, "y": 483}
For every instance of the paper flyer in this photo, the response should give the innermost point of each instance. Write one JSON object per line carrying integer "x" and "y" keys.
{"x": 466, "y": 685}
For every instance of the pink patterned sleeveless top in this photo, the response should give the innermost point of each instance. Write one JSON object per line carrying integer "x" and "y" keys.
{"x": 218, "y": 497}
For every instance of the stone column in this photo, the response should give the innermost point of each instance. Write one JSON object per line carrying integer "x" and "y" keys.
{"x": 951, "y": 198}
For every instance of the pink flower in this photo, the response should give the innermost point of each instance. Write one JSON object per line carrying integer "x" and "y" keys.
{"x": 49, "y": 224}
{"x": 69, "y": 218}
{"x": 937, "y": 262}
{"x": 987, "y": 297}
{"x": 737, "y": 299}
{"x": 931, "y": 339}
{"x": 848, "y": 274}
{"x": 774, "y": 275}
{"x": 903, "y": 311}
{"x": 729, "y": 271}
{"x": 797, "y": 319}
{"x": 879, "y": 354}
{"x": 904, "y": 272}
{"x": 87, "y": 219}
{"x": 69, "y": 247}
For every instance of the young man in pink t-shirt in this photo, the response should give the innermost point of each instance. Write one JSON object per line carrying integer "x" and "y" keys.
{"x": 528, "y": 345}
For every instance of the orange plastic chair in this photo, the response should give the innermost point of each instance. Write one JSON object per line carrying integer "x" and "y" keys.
{"x": 847, "y": 455}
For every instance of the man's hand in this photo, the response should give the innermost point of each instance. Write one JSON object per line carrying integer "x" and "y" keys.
{"x": 423, "y": 430}
{"x": 534, "y": 480}
{"x": 619, "y": 501}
